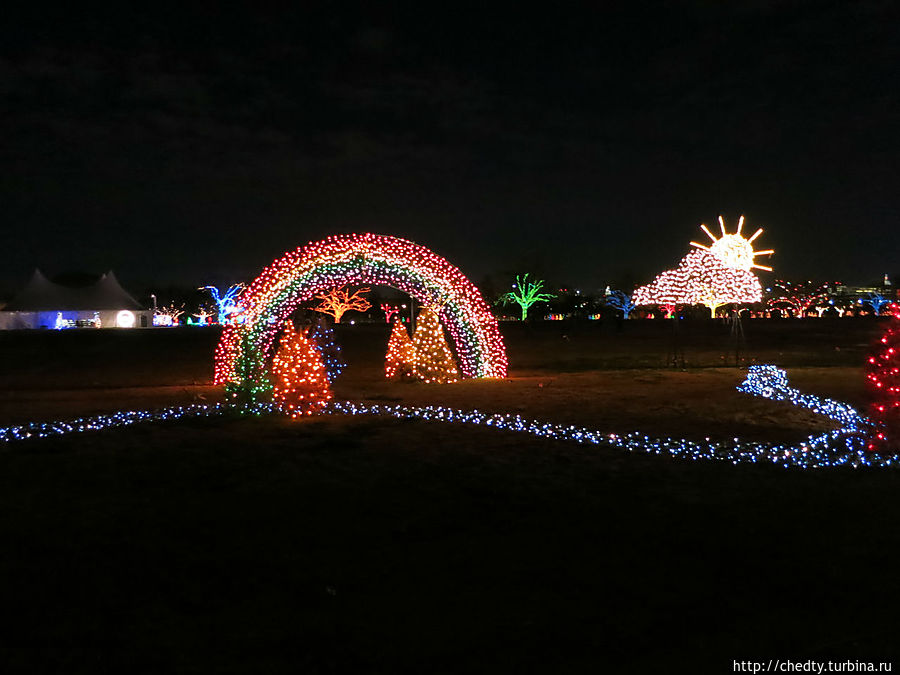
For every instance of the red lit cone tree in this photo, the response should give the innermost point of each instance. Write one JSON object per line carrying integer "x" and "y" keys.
{"x": 883, "y": 374}
{"x": 401, "y": 355}
{"x": 434, "y": 361}
{"x": 300, "y": 382}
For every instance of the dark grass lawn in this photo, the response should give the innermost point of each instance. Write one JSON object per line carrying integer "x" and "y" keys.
{"x": 365, "y": 545}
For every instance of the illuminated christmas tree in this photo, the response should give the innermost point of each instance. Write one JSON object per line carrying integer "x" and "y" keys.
{"x": 300, "y": 383}
{"x": 701, "y": 279}
{"x": 883, "y": 374}
{"x": 401, "y": 355}
{"x": 322, "y": 336}
{"x": 434, "y": 361}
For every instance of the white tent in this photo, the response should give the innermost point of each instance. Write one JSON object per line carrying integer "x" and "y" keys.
{"x": 45, "y": 304}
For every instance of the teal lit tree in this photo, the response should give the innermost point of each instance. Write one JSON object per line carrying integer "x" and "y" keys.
{"x": 525, "y": 293}
{"x": 226, "y": 304}
{"x": 620, "y": 300}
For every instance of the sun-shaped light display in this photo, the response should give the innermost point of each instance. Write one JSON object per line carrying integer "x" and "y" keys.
{"x": 733, "y": 249}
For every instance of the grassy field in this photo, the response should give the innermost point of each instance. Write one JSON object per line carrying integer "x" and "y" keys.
{"x": 379, "y": 546}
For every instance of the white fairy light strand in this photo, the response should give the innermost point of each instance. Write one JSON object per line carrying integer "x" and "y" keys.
{"x": 845, "y": 446}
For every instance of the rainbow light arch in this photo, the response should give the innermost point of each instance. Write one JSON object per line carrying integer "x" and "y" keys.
{"x": 359, "y": 259}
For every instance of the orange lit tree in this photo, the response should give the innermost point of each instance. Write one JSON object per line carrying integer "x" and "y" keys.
{"x": 434, "y": 361}
{"x": 401, "y": 354}
{"x": 300, "y": 383}
{"x": 339, "y": 300}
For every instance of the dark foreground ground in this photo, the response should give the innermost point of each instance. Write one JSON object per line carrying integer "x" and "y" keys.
{"x": 364, "y": 545}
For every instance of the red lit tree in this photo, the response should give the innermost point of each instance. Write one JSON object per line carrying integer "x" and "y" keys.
{"x": 339, "y": 300}
{"x": 883, "y": 375}
{"x": 300, "y": 383}
{"x": 389, "y": 311}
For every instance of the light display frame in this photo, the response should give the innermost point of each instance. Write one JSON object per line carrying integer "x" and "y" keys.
{"x": 358, "y": 259}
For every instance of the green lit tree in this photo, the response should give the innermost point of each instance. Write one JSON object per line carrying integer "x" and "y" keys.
{"x": 525, "y": 293}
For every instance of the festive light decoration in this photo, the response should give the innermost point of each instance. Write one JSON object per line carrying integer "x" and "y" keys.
{"x": 227, "y": 303}
{"x": 830, "y": 307}
{"x": 401, "y": 355}
{"x": 771, "y": 382}
{"x": 800, "y": 298}
{"x": 883, "y": 375}
{"x": 701, "y": 278}
{"x": 203, "y": 315}
{"x": 525, "y": 293}
{"x": 389, "y": 311}
{"x": 300, "y": 383}
{"x": 167, "y": 315}
{"x": 733, "y": 249}
{"x": 374, "y": 259}
{"x": 843, "y": 447}
{"x": 322, "y": 337}
{"x": 125, "y": 319}
{"x": 61, "y": 323}
{"x": 337, "y": 301}
{"x": 433, "y": 361}
{"x": 876, "y": 301}
{"x": 621, "y": 301}
{"x": 35, "y": 430}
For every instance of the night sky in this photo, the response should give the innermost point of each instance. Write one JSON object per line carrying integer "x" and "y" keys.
{"x": 192, "y": 148}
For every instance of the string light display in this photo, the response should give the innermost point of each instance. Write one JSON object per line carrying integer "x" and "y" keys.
{"x": 733, "y": 249}
{"x": 433, "y": 361}
{"x": 226, "y": 303}
{"x": 401, "y": 355}
{"x": 35, "y": 430}
{"x": 389, "y": 311}
{"x": 621, "y": 301}
{"x": 203, "y": 316}
{"x": 877, "y": 302}
{"x": 322, "y": 337}
{"x": 525, "y": 293}
{"x": 771, "y": 382}
{"x": 840, "y": 448}
{"x": 338, "y": 301}
{"x": 358, "y": 259}
{"x": 800, "y": 297}
{"x": 168, "y": 315}
{"x": 701, "y": 279}
{"x": 300, "y": 384}
{"x": 883, "y": 376}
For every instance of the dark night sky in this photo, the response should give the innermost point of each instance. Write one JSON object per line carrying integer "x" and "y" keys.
{"x": 179, "y": 147}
